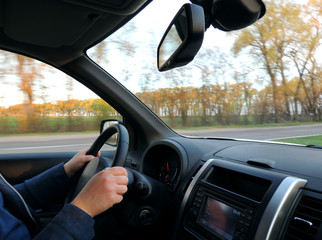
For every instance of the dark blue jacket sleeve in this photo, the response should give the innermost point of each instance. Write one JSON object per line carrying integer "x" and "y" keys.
{"x": 45, "y": 188}
{"x": 71, "y": 223}
{"x": 10, "y": 227}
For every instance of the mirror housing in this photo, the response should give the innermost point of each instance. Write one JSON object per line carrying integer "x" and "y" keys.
{"x": 182, "y": 39}
{"x": 229, "y": 15}
{"x": 112, "y": 141}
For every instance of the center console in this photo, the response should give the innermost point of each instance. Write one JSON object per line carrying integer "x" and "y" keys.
{"x": 231, "y": 201}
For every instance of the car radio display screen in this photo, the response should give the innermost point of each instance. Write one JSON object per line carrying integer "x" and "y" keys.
{"x": 219, "y": 218}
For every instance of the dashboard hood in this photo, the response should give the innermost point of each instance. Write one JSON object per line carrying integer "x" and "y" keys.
{"x": 282, "y": 157}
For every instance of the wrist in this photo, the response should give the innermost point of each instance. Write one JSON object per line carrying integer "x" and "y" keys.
{"x": 68, "y": 170}
{"x": 77, "y": 203}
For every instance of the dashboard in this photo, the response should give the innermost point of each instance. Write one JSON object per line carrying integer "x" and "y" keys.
{"x": 240, "y": 190}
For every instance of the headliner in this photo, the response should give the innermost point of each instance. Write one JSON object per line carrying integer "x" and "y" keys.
{"x": 58, "y": 32}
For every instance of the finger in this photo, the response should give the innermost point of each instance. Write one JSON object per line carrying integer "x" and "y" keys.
{"x": 117, "y": 198}
{"x": 86, "y": 150}
{"x": 88, "y": 158}
{"x": 121, "y": 189}
{"x": 122, "y": 180}
{"x": 117, "y": 171}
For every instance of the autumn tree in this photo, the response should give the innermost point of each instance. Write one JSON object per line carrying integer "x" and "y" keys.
{"x": 209, "y": 75}
{"x": 303, "y": 56}
{"x": 262, "y": 106}
{"x": 281, "y": 37}
{"x": 27, "y": 74}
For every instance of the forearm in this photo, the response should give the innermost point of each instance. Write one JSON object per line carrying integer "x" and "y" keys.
{"x": 45, "y": 188}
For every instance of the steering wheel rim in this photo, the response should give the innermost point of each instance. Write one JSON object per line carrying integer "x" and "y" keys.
{"x": 122, "y": 143}
{"x": 98, "y": 164}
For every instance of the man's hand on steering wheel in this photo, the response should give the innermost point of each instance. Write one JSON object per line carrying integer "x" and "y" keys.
{"x": 78, "y": 162}
{"x": 100, "y": 187}
{"x": 104, "y": 190}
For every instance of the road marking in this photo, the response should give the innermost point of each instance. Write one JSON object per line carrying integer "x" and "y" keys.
{"x": 41, "y": 147}
{"x": 290, "y": 137}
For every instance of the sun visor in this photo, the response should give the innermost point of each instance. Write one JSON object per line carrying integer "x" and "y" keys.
{"x": 118, "y": 7}
{"x": 54, "y": 23}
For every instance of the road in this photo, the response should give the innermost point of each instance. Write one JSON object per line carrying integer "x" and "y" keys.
{"x": 261, "y": 133}
{"x": 75, "y": 142}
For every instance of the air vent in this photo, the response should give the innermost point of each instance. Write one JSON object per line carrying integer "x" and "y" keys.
{"x": 306, "y": 220}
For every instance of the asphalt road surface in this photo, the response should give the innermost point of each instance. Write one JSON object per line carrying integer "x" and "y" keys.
{"x": 75, "y": 142}
{"x": 261, "y": 133}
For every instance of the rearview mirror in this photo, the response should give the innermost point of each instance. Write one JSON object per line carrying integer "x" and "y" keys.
{"x": 183, "y": 38}
{"x": 112, "y": 141}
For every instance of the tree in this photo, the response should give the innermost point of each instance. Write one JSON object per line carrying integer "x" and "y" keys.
{"x": 27, "y": 74}
{"x": 209, "y": 74}
{"x": 272, "y": 43}
{"x": 308, "y": 40}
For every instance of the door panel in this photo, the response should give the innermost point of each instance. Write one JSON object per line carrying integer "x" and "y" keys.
{"x": 18, "y": 167}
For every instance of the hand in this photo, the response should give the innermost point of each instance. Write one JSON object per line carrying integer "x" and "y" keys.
{"x": 104, "y": 190}
{"x": 77, "y": 162}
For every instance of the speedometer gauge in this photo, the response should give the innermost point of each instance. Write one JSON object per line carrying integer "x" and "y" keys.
{"x": 163, "y": 162}
{"x": 168, "y": 172}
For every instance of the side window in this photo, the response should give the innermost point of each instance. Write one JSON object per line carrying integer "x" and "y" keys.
{"x": 44, "y": 110}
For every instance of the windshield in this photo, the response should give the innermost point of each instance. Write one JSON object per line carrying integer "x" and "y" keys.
{"x": 261, "y": 83}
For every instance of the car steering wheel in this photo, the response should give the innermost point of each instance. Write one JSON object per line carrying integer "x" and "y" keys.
{"x": 144, "y": 207}
{"x": 98, "y": 164}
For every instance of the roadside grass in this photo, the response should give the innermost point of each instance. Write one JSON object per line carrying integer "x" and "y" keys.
{"x": 176, "y": 128}
{"x": 12, "y": 126}
{"x": 312, "y": 140}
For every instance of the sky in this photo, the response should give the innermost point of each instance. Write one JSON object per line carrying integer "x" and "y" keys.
{"x": 55, "y": 82}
